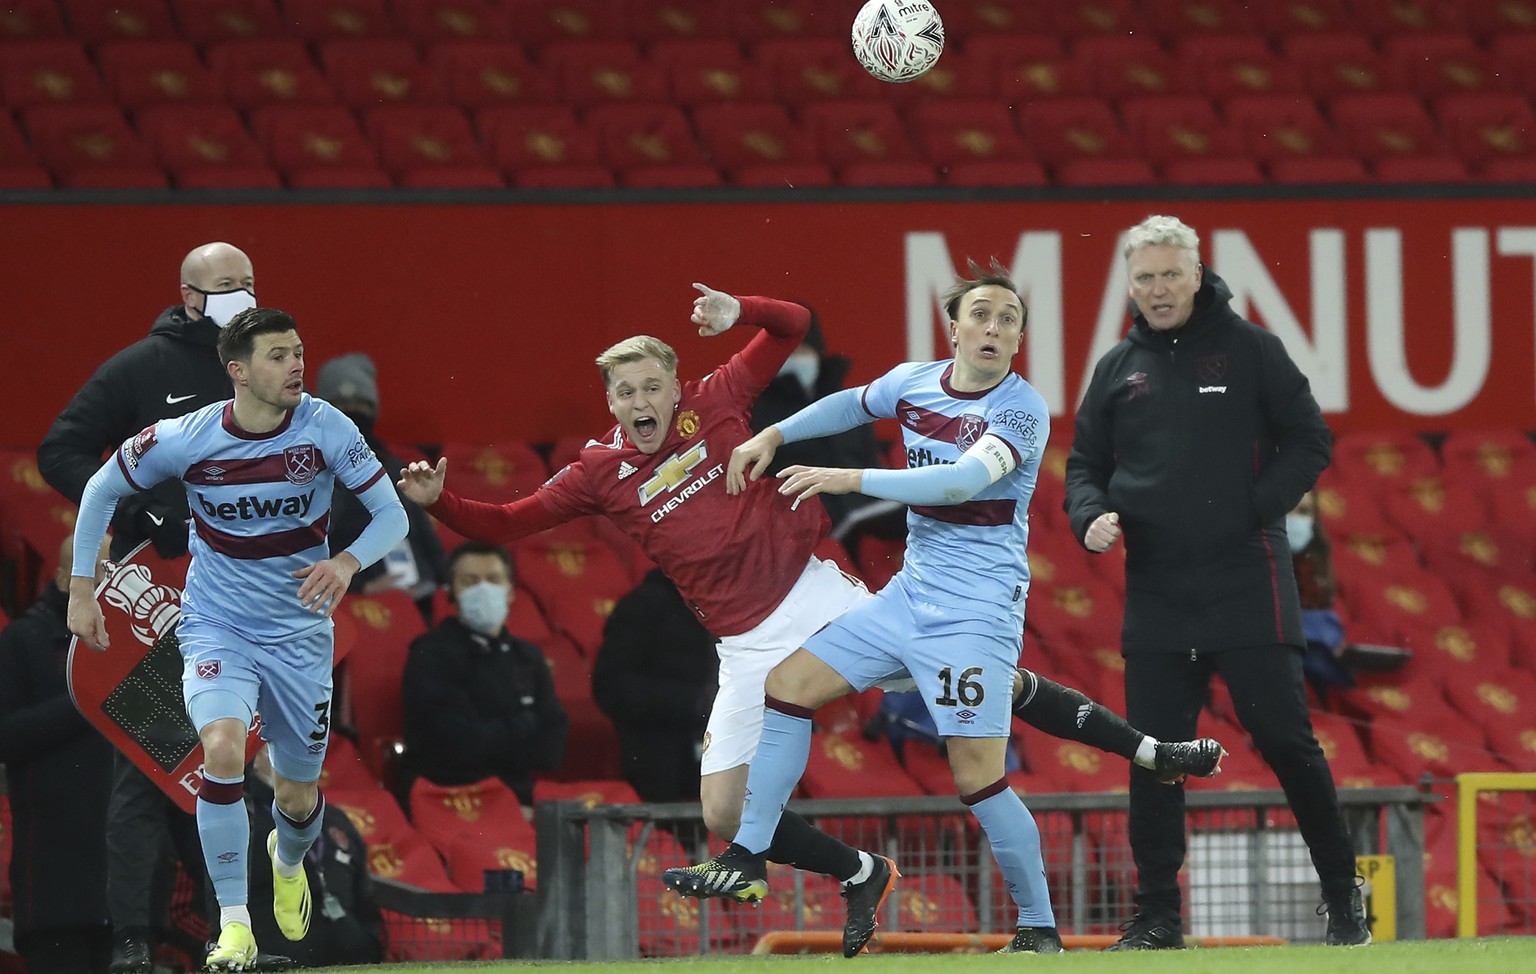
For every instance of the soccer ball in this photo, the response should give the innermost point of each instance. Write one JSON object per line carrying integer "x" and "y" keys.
{"x": 897, "y": 40}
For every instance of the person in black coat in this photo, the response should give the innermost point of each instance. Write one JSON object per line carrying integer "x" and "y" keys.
{"x": 169, "y": 373}
{"x": 346, "y": 926}
{"x": 1195, "y": 437}
{"x": 418, "y": 565}
{"x": 655, "y": 677}
{"x": 479, "y": 702}
{"x": 58, "y": 770}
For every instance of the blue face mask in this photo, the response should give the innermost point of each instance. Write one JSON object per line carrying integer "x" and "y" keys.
{"x": 483, "y": 607}
{"x": 1299, "y": 529}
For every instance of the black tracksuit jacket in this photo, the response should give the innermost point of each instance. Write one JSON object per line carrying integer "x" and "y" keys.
{"x": 1201, "y": 439}
{"x": 171, "y": 372}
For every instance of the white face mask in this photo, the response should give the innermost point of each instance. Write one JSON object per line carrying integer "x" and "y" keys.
{"x": 220, "y": 307}
{"x": 805, "y": 366}
{"x": 483, "y": 607}
{"x": 1298, "y": 530}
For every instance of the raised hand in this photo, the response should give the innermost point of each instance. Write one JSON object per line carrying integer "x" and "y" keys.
{"x": 750, "y": 459}
{"x": 422, "y": 482}
{"x": 802, "y": 482}
{"x": 715, "y": 311}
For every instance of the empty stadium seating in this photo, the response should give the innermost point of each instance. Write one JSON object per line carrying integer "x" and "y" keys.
{"x": 1273, "y": 83}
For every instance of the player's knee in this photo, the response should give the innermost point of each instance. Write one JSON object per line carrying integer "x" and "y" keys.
{"x": 296, "y": 798}
{"x": 805, "y": 681}
{"x": 224, "y": 747}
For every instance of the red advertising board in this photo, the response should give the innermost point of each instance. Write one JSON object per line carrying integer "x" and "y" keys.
{"x": 484, "y": 319}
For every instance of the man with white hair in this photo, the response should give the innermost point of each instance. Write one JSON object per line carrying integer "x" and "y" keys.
{"x": 1195, "y": 437}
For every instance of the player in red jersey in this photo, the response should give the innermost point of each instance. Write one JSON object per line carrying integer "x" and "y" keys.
{"x": 743, "y": 563}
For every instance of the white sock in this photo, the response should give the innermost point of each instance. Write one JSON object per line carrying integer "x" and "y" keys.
{"x": 1146, "y": 752}
{"x": 287, "y": 870}
{"x": 866, "y": 867}
{"x": 234, "y": 914}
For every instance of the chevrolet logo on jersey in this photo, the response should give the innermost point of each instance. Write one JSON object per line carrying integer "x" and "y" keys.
{"x": 672, "y": 473}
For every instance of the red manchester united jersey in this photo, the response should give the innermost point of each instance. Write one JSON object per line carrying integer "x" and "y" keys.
{"x": 733, "y": 558}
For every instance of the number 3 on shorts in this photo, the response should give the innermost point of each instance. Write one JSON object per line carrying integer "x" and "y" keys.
{"x": 971, "y": 692}
{"x": 323, "y": 719}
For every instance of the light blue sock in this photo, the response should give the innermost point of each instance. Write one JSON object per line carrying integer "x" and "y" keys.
{"x": 295, "y": 837}
{"x": 1015, "y": 842}
{"x": 776, "y": 768}
{"x": 225, "y": 831}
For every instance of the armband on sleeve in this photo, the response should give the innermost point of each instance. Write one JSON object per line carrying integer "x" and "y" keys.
{"x": 995, "y": 453}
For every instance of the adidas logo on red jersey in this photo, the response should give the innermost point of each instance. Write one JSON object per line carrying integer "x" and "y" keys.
{"x": 625, "y": 469}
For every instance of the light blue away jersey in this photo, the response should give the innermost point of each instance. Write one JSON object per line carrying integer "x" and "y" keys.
{"x": 968, "y": 556}
{"x": 261, "y": 507}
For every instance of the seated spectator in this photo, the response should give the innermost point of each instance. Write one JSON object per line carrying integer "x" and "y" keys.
{"x": 809, "y": 374}
{"x": 1330, "y": 659}
{"x": 417, "y": 565}
{"x": 58, "y": 772}
{"x": 655, "y": 677}
{"x": 345, "y": 926}
{"x": 479, "y": 702}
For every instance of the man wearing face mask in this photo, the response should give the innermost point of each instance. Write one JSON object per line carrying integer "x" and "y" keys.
{"x": 171, "y": 372}
{"x": 808, "y": 375}
{"x": 480, "y": 702}
{"x": 418, "y": 564}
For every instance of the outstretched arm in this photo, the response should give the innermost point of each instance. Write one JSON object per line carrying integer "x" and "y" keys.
{"x": 984, "y": 464}
{"x": 831, "y": 414}
{"x": 494, "y": 523}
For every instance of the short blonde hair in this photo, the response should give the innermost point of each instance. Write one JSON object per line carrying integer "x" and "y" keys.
{"x": 1162, "y": 231}
{"x": 633, "y": 350}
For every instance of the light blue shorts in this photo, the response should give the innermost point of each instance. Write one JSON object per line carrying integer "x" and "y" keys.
{"x": 289, "y": 684}
{"x": 963, "y": 664}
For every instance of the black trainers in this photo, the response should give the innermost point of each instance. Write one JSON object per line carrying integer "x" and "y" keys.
{"x": 864, "y": 902}
{"x": 1034, "y": 940}
{"x": 1348, "y": 926}
{"x": 1176, "y": 759}
{"x": 735, "y": 874}
{"x": 130, "y": 954}
{"x": 1151, "y": 931}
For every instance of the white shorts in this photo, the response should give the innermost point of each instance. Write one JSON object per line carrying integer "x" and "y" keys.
{"x": 822, "y": 593}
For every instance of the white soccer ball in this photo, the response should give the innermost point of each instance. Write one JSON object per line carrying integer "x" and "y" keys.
{"x": 897, "y": 40}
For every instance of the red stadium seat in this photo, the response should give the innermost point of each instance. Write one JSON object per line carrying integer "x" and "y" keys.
{"x": 1318, "y": 170}
{"x": 444, "y": 813}
{"x": 888, "y": 172}
{"x": 1443, "y": 747}
{"x": 258, "y": 73}
{"x": 807, "y": 70}
{"x": 1420, "y": 169}
{"x": 145, "y": 73}
{"x": 470, "y": 856}
{"x": 1390, "y": 18}
{"x": 857, "y": 131}
{"x": 483, "y": 73}
{"x": 104, "y": 21}
{"x": 1403, "y": 598}
{"x": 967, "y": 130}
{"x": 1503, "y": 703}
{"x": 19, "y": 168}
{"x": 322, "y": 21}
{"x": 752, "y": 135}
{"x": 1493, "y": 20}
{"x": 1490, "y": 457}
{"x": 1021, "y": 81}
{"x": 380, "y": 628}
{"x": 539, "y": 137}
{"x": 1151, "y": 73}
{"x": 848, "y": 766}
{"x": 369, "y": 72}
{"x": 1177, "y": 19}
{"x": 581, "y": 176}
{"x": 1086, "y": 18}
{"x": 1166, "y": 129}
{"x": 1482, "y": 127}
{"x": 1377, "y": 460}
{"x": 1339, "y": 737}
{"x": 205, "y": 22}
{"x": 576, "y": 583}
{"x": 569, "y": 55}
{"x": 1341, "y": 64}
{"x": 538, "y": 23}
{"x": 688, "y": 175}
{"x": 1025, "y": 65}
{"x": 586, "y": 84}
{"x": 1482, "y": 554}
{"x": 783, "y": 175}
{"x": 933, "y": 903}
{"x": 663, "y": 21}
{"x": 48, "y": 72}
{"x": 193, "y": 141}
{"x": 31, "y": 20}
{"x": 589, "y": 793}
{"x": 1212, "y": 172}
{"x": 1432, "y": 507}
{"x": 89, "y": 145}
{"x": 414, "y": 138}
{"x": 1283, "y": 17}
{"x": 643, "y": 135}
{"x": 1063, "y": 129}
{"x": 1456, "y": 652}
{"x": 702, "y": 72}
{"x": 1266, "y": 75}
{"x": 989, "y": 172}
{"x": 1105, "y": 172}
{"x": 440, "y": 21}
{"x": 1280, "y": 126}
{"x": 344, "y": 768}
{"x": 312, "y": 138}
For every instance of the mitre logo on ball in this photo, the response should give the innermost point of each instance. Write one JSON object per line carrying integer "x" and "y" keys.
{"x": 898, "y": 40}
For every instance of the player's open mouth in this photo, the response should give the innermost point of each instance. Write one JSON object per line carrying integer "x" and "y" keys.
{"x": 297, "y": 385}
{"x": 988, "y": 351}
{"x": 645, "y": 426}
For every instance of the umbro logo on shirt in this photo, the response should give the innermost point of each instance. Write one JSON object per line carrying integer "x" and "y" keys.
{"x": 625, "y": 469}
